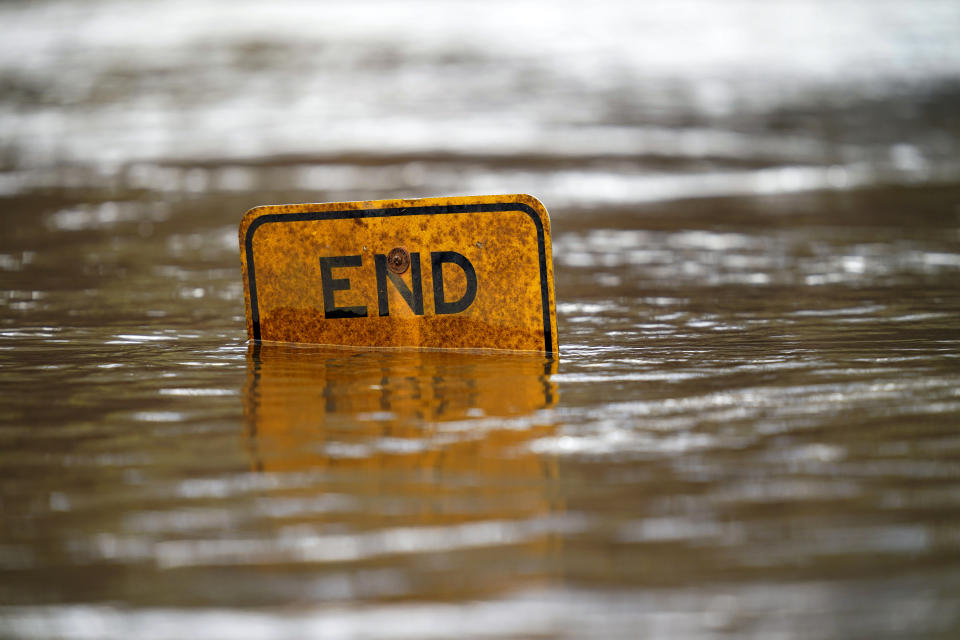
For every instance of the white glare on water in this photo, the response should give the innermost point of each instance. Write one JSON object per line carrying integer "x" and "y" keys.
{"x": 104, "y": 84}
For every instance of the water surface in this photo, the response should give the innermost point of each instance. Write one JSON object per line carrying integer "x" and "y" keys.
{"x": 752, "y": 426}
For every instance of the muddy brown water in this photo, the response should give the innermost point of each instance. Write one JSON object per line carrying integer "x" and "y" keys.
{"x": 752, "y": 427}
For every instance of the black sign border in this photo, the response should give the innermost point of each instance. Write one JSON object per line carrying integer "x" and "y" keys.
{"x": 386, "y": 212}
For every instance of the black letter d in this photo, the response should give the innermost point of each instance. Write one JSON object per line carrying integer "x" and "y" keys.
{"x": 440, "y": 305}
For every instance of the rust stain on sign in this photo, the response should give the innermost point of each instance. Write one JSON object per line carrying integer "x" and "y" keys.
{"x": 479, "y": 273}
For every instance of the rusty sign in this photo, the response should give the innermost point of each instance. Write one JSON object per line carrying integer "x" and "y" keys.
{"x": 446, "y": 273}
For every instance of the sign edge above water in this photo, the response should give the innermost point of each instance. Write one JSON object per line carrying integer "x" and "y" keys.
{"x": 259, "y": 215}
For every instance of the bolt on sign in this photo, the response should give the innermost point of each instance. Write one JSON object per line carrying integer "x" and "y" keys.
{"x": 439, "y": 273}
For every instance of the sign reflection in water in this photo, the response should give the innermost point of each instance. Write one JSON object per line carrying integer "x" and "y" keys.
{"x": 431, "y": 447}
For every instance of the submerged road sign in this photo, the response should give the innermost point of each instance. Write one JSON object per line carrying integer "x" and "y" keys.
{"x": 447, "y": 273}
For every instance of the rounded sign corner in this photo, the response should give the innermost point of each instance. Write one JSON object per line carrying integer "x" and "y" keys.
{"x": 321, "y": 274}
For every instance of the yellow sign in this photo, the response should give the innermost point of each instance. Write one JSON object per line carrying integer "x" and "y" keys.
{"x": 446, "y": 273}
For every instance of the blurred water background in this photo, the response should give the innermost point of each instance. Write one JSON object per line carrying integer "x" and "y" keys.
{"x": 752, "y": 427}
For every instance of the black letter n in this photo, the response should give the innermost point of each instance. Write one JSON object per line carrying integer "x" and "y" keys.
{"x": 414, "y": 298}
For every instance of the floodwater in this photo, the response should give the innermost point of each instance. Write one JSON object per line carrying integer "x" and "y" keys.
{"x": 752, "y": 428}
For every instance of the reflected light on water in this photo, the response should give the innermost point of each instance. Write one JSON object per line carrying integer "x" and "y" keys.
{"x": 432, "y": 448}
{"x": 756, "y": 233}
